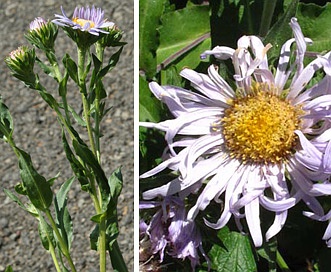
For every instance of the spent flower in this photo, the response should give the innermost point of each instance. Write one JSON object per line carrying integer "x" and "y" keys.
{"x": 169, "y": 231}
{"x": 265, "y": 144}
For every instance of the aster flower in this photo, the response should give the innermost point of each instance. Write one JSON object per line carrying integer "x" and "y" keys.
{"x": 241, "y": 147}
{"x": 85, "y": 26}
{"x": 170, "y": 230}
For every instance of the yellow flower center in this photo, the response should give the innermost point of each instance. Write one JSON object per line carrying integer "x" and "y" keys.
{"x": 83, "y": 22}
{"x": 259, "y": 127}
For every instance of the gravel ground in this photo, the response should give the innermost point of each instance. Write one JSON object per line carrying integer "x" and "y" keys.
{"x": 37, "y": 132}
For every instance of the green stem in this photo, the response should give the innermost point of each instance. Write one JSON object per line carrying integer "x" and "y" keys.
{"x": 82, "y": 89}
{"x": 55, "y": 261}
{"x": 100, "y": 52}
{"x": 268, "y": 11}
{"x": 281, "y": 263}
{"x": 58, "y": 76}
{"x": 102, "y": 246}
{"x": 63, "y": 245}
{"x": 249, "y": 17}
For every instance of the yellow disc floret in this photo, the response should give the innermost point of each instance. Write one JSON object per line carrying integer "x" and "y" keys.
{"x": 259, "y": 127}
{"x": 83, "y": 22}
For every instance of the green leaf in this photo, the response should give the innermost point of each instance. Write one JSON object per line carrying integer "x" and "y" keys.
{"x": 186, "y": 33}
{"x": 88, "y": 157}
{"x": 71, "y": 67}
{"x": 47, "y": 69}
{"x": 268, "y": 251}
{"x": 9, "y": 269}
{"x": 37, "y": 188}
{"x": 63, "y": 85}
{"x": 237, "y": 255}
{"x": 150, "y": 12}
{"x": 45, "y": 233}
{"x": 281, "y": 31}
{"x": 6, "y": 121}
{"x": 316, "y": 24}
{"x": 63, "y": 217}
{"x": 149, "y": 107}
{"x": 29, "y": 209}
{"x": 111, "y": 63}
{"x": 76, "y": 166}
{"x": 77, "y": 117}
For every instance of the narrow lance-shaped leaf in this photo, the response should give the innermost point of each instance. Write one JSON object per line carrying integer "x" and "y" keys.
{"x": 6, "y": 121}
{"x": 88, "y": 157}
{"x": 63, "y": 217}
{"x": 71, "y": 67}
{"x": 37, "y": 188}
{"x": 45, "y": 233}
{"x": 76, "y": 166}
{"x": 13, "y": 197}
{"x": 111, "y": 63}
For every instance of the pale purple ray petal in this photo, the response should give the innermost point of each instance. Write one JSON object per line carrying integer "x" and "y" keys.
{"x": 220, "y": 52}
{"x": 279, "y": 222}
{"x": 252, "y": 211}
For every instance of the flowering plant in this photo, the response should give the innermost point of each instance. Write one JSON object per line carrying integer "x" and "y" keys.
{"x": 247, "y": 136}
{"x": 92, "y": 34}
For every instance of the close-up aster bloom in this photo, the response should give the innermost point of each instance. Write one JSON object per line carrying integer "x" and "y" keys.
{"x": 265, "y": 143}
{"x": 87, "y": 19}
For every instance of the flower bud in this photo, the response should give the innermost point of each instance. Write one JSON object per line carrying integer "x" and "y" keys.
{"x": 42, "y": 34}
{"x": 21, "y": 62}
{"x": 112, "y": 38}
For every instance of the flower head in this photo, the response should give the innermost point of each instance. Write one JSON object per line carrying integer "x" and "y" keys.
{"x": 21, "y": 63}
{"x": 42, "y": 34}
{"x": 37, "y": 24}
{"x": 89, "y": 22}
{"x": 240, "y": 147}
{"x": 169, "y": 230}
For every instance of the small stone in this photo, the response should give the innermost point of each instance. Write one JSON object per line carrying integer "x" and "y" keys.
{"x": 3, "y": 222}
{"x": 11, "y": 9}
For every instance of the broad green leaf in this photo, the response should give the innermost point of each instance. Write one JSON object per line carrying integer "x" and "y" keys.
{"x": 37, "y": 188}
{"x": 315, "y": 22}
{"x": 237, "y": 255}
{"x": 149, "y": 107}
{"x": 63, "y": 217}
{"x": 150, "y": 12}
{"x": 6, "y": 121}
{"x": 181, "y": 32}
